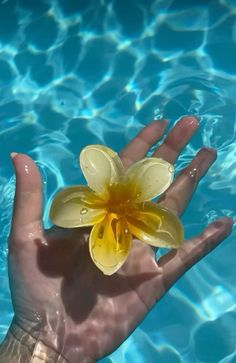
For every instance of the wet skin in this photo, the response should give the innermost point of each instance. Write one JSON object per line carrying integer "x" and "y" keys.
{"x": 57, "y": 292}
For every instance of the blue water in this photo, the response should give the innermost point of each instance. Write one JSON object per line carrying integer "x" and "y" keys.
{"x": 79, "y": 72}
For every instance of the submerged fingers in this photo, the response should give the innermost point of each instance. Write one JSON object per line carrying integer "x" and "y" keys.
{"x": 137, "y": 148}
{"x": 180, "y": 192}
{"x": 171, "y": 147}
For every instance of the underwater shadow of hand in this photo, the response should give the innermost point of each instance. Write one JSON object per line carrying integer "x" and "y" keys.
{"x": 82, "y": 282}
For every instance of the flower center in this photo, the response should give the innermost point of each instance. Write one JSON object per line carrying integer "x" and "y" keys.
{"x": 120, "y": 198}
{"x": 116, "y": 208}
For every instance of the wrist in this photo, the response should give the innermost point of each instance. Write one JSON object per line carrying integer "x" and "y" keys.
{"x": 19, "y": 345}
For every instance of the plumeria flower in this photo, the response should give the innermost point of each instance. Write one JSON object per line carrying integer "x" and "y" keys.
{"x": 117, "y": 203}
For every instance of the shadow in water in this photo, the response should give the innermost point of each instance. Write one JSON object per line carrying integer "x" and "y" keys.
{"x": 67, "y": 256}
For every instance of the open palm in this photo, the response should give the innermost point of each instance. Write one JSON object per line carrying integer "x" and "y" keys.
{"x": 59, "y": 295}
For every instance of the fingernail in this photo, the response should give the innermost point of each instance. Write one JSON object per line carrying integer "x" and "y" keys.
{"x": 208, "y": 149}
{"x": 162, "y": 121}
{"x": 192, "y": 120}
{"x": 210, "y": 153}
{"x": 13, "y": 154}
{"x": 217, "y": 224}
{"x": 206, "y": 155}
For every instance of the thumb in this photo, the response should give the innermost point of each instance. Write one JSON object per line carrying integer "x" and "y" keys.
{"x": 27, "y": 209}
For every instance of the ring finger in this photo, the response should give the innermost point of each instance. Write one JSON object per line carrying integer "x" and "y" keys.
{"x": 180, "y": 192}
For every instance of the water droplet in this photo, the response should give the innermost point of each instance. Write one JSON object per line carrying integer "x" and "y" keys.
{"x": 27, "y": 169}
{"x": 83, "y": 211}
{"x": 170, "y": 169}
{"x": 193, "y": 173}
{"x": 37, "y": 316}
{"x": 44, "y": 242}
{"x": 101, "y": 232}
{"x": 126, "y": 231}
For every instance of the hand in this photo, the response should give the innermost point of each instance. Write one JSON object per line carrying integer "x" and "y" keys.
{"x": 58, "y": 294}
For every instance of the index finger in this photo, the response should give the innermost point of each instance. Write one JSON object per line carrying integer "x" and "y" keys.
{"x": 137, "y": 148}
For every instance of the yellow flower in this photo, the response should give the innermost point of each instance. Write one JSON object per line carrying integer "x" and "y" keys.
{"x": 117, "y": 203}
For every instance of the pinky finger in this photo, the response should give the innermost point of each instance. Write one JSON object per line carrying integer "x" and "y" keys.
{"x": 176, "y": 262}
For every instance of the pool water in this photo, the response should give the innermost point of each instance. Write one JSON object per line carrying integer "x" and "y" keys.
{"x": 74, "y": 73}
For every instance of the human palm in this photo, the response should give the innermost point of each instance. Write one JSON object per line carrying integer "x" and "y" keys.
{"x": 59, "y": 295}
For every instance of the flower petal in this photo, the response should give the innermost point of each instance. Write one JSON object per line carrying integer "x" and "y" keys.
{"x": 101, "y": 167}
{"x": 77, "y": 206}
{"x": 109, "y": 243}
{"x": 155, "y": 225}
{"x": 149, "y": 178}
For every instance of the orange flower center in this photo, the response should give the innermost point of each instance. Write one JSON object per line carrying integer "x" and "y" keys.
{"x": 120, "y": 198}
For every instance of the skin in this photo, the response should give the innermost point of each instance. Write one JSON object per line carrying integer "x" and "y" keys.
{"x": 59, "y": 295}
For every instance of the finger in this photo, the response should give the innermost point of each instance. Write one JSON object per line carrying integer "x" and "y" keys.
{"x": 180, "y": 192}
{"x": 27, "y": 209}
{"x": 176, "y": 139}
{"x": 176, "y": 262}
{"x": 139, "y": 146}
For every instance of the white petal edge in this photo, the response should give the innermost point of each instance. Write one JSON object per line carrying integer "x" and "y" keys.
{"x": 149, "y": 178}
{"x": 101, "y": 167}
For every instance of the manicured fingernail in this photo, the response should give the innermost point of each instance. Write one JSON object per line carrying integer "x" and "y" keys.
{"x": 210, "y": 153}
{"x": 161, "y": 121}
{"x": 192, "y": 120}
{"x": 208, "y": 149}
{"x": 218, "y": 224}
{"x": 206, "y": 155}
{"x": 13, "y": 154}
